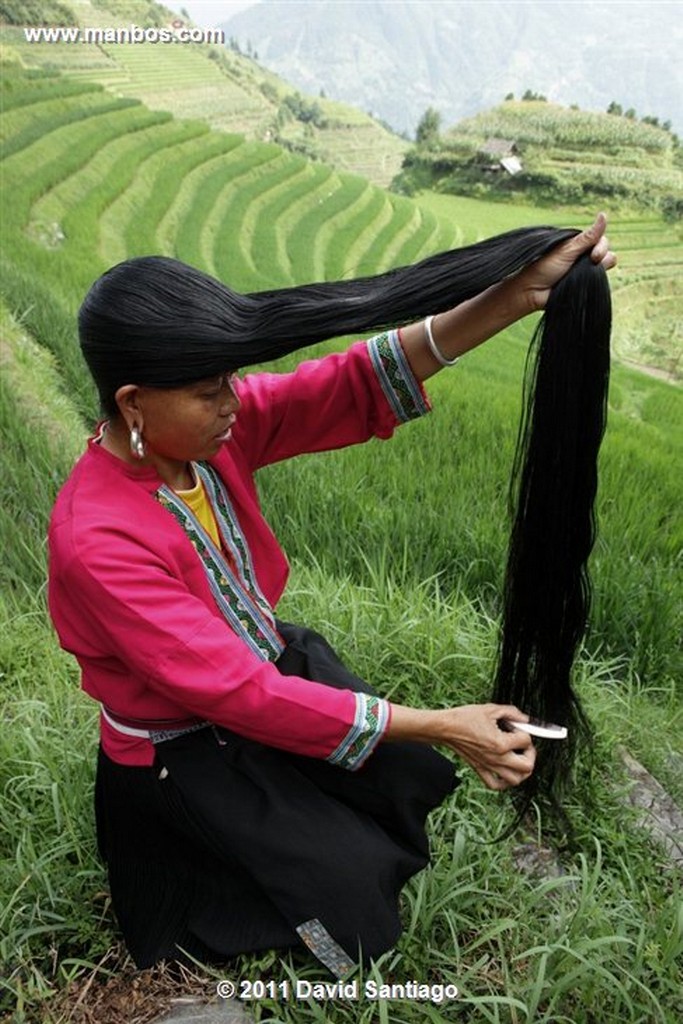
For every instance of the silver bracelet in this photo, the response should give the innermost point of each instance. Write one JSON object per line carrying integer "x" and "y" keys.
{"x": 433, "y": 348}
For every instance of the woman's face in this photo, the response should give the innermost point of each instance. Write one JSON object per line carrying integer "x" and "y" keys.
{"x": 187, "y": 423}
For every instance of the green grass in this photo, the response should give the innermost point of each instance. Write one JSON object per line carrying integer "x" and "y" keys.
{"x": 131, "y": 224}
{"x": 46, "y": 112}
{"x": 297, "y": 223}
{"x": 77, "y": 202}
{"x": 549, "y": 125}
{"x": 454, "y": 523}
{"x": 420, "y": 242}
{"x": 22, "y": 88}
{"x": 349, "y": 239}
{"x": 397, "y": 550}
{"x": 268, "y": 237}
{"x": 233, "y": 215}
{"x": 600, "y": 942}
{"x": 402, "y": 213}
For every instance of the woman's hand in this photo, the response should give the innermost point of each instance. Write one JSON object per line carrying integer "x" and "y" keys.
{"x": 501, "y": 759}
{"x": 537, "y": 279}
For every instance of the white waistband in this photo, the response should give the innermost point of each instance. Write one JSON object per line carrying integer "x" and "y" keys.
{"x": 127, "y": 730}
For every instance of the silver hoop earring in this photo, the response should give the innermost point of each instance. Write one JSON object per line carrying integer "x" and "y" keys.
{"x": 137, "y": 445}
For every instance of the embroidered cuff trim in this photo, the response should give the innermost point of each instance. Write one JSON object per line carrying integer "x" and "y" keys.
{"x": 402, "y": 389}
{"x": 369, "y": 725}
{"x": 314, "y": 935}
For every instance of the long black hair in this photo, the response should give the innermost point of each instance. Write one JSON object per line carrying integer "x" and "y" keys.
{"x": 155, "y": 321}
{"x": 547, "y": 590}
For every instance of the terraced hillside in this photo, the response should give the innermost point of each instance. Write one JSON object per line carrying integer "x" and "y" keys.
{"x": 90, "y": 179}
{"x": 234, "y": 94}
{"x": 649, "y": 299}
{"x": 108, "y": 176}
{"x": 213, "y": 83}
{"x": 563, "y": 155}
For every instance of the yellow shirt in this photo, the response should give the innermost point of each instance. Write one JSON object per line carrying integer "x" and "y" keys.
{"x": 197, "y": 501}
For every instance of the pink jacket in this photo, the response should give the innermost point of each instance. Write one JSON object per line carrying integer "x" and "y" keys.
{"x": 129, "y": 596}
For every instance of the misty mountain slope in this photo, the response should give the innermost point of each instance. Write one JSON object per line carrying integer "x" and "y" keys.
{"x": 396, "y": 59}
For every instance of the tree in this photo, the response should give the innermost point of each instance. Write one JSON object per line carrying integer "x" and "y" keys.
{"x": 615, "y": 108}
{"x": 427, "y": 131}
{"x": 672, "y": 208}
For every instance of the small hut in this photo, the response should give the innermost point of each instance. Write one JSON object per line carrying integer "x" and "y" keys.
{"x": 498, "y": 155}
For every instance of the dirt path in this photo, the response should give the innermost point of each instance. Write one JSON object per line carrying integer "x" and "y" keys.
{"x": 651, "y": 371}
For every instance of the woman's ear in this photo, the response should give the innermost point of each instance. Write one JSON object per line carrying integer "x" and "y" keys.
{"x": 127, "y": 400}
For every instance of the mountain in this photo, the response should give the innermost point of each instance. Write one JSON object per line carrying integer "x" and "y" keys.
{"x": 395, "y": 59}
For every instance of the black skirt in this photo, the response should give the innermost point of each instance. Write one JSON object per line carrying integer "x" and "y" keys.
{"x": 227, "y": 846}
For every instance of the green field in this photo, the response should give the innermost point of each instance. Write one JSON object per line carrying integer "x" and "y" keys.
{"x": 397, "y": 552}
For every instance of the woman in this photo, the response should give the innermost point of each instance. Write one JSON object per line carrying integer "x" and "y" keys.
{"x": 251, "y": 792}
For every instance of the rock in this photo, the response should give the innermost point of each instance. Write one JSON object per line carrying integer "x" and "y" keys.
{"x": 194, "y": 1011}
{"x": 660, "y": 815}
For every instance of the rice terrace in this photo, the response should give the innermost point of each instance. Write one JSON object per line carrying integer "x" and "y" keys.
{"x": 109, "y": 152}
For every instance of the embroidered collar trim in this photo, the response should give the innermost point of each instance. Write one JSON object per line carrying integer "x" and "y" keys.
{"x": 235, "y": 588}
